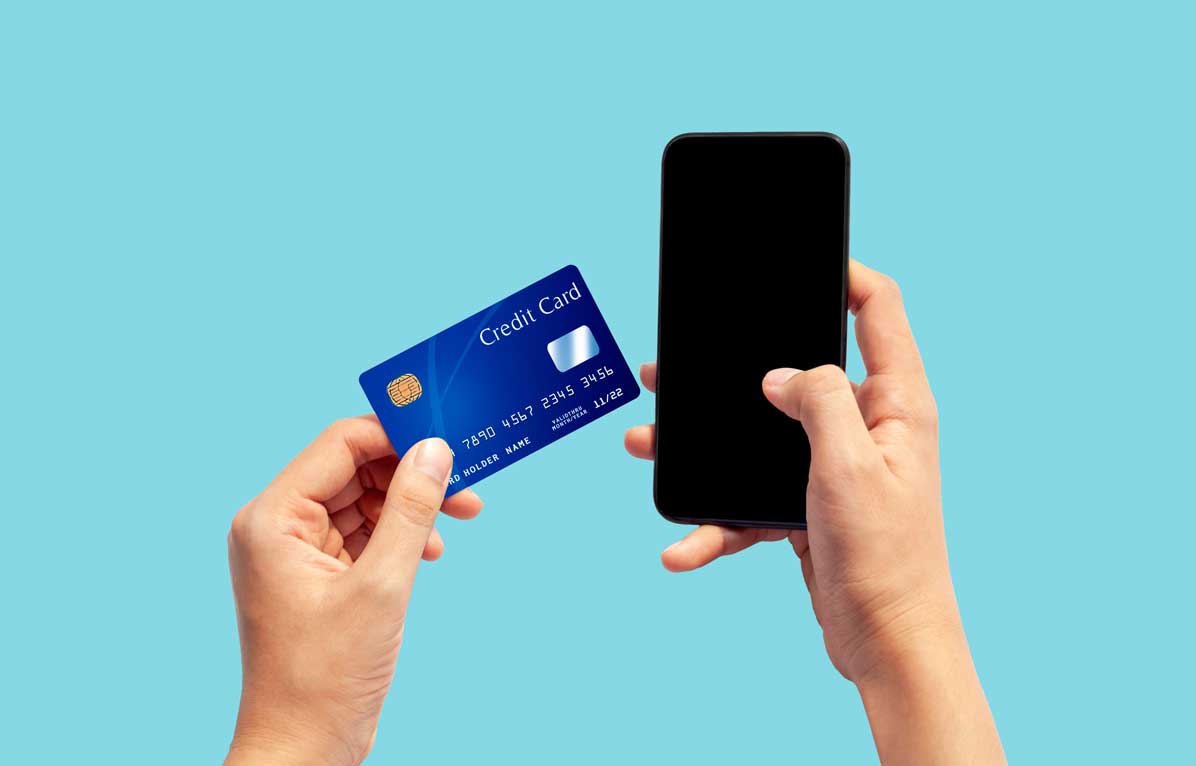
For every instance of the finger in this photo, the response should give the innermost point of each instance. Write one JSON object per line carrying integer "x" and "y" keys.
{"x": 328, "y": 464}
{"x": 349, "y": 519}
{"x": 708, "y": 542}
{"x": 881, "y": 326}
{"x": 822, "y": 400}
{"x": 333, "y": 542}
{"x": 800, "y": 540}
{"x": 464, "y": 505}
{"x": 347, "y": 495}
{"x": 370, "y": 506}
{"x": 648, "y": 376}
{"x": 640, "y": 441}
{"x": 408, "y": 513}
{"x": 434, "y": 549}
{"x": 811, "y": 578}
{"x": 355, "y": 543}
{"x": 375, "y": 474}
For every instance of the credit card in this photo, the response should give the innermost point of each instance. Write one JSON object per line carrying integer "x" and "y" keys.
{"x": 507, "y": 381}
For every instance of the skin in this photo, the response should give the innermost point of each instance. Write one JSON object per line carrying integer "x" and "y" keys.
{"x": 875, "y": 556}
{"x": 322, "y": 566}
{"x": 323, "y": 563}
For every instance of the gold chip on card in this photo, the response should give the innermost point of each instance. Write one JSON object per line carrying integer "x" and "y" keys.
{"x": 404, "y": 390}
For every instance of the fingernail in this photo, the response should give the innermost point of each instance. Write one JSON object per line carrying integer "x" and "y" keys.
{"x": 434, "y": 459}
{"x": 779, "y": 376}
{"x": 675, "y": 546}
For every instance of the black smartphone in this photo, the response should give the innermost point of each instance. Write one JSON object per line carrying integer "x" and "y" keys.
{"x": 753, "y": 276}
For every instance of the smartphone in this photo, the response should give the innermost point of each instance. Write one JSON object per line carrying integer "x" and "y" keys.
{"x": 753, "y": 276}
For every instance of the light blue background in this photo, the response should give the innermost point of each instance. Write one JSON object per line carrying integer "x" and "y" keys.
{"x": 213, "y": 217}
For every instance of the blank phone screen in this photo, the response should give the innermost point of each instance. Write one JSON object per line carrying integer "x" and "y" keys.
{"x": 753, "y": 270}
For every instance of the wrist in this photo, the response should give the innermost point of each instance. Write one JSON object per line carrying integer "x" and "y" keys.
{"x": 904, "y": 634}
{"x": 269, "y": 736}
{"x": 254, "y": 753}
{"x": 925, "y": 704}
{"x": 904, "y": 660}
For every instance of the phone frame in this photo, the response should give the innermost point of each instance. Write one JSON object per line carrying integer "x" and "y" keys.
{"x": 660, "y": 288}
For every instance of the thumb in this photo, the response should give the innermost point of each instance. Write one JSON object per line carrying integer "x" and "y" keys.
{"x": 823, "y": 401}
{"x": 416, "y": 492}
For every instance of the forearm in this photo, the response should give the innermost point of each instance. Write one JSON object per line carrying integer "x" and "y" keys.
{"x": 926, "y": 706}
{"x": 270, "y": 734}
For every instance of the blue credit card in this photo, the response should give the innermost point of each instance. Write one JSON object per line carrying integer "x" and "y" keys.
{"x": 507, "y": 381}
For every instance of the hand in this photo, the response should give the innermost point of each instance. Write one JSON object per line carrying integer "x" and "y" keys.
{"x": 322, "y": 566}
{"x": 875, "y": 556}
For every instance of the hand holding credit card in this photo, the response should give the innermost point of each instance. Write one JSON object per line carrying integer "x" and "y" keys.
{"x": 507, "y": 381}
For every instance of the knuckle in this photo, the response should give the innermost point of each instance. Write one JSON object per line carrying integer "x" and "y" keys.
{"x": 890, "y": 286}
{"x": 899, "y": 404}
{"x": 347, "y": 433}
{"x": 238, "y": 530}
{"x": 833, "y": 374}
{"x": 334, "y": 539}
{"x": 915, "y": 410}
{"x": 338, "y": 429}
{"x": 382, "y": 588}
{"x": 417, "y": 504}
{"x": 919, "y": 410}
{"x": 826, "y": 380}
{"x": 312, "y": 513}
{"x": 819, "y": 389}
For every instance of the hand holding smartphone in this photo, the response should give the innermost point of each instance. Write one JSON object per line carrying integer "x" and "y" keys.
{"x": 753, "y": 276}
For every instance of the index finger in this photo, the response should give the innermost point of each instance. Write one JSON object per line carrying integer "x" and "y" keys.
{"x": 881, "y": 326}
{"x": 709, "y": 542}
{"x": 329, "y": 463}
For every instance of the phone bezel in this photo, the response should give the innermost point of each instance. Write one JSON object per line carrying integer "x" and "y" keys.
{"x": 660, "y": 285}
